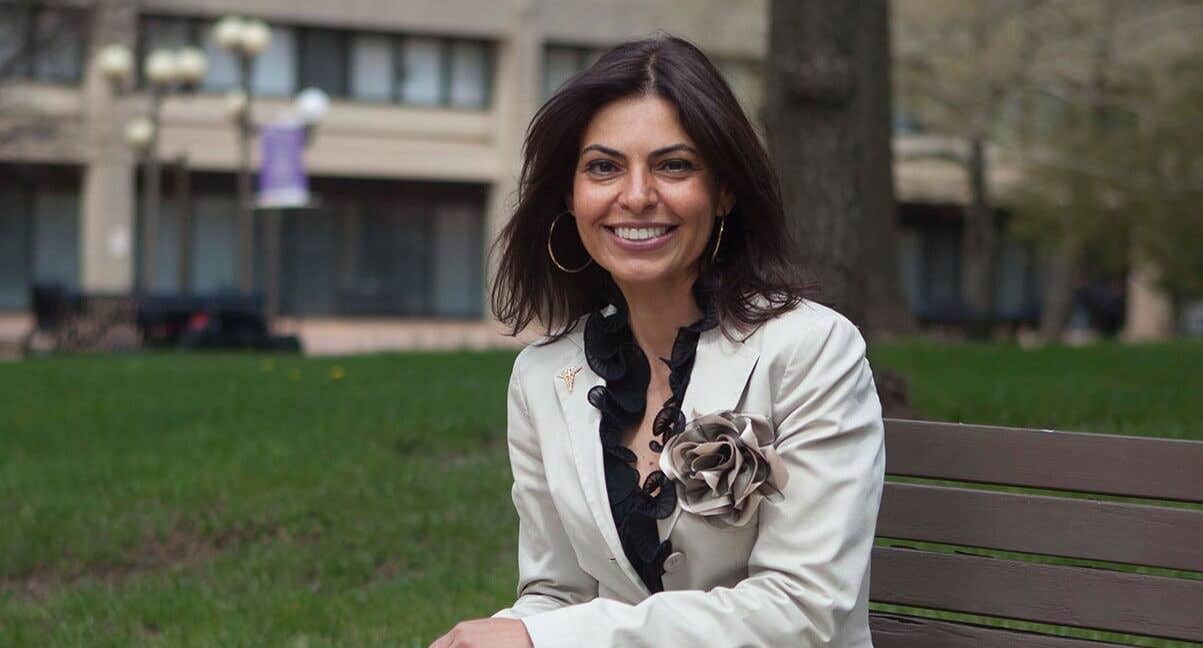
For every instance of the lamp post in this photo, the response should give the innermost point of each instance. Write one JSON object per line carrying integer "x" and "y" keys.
{"x": 166, "y": 71}
{"x": 310, "y": 108}
{"x": 246, "y": 39}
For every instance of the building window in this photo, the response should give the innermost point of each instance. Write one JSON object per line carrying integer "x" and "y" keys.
{"x": 421, "y": 79}
{"x": 469, "y": 74}
{"x": 275, "y": 70}
{"x": 365, "y": 247}
{"x": 170, "y": 33}
{"x": 164, "y": 32}
{"x": 223, "y": 65}
{"x": 364, "y": 66}
{"x": 747, "y": 83}
{"x": 562, "y": 62}
{"x": 373, "y": 67}
{"x": 323, "y": 57}
{"x": 42, "y": 43}
{"x": 16, "y": 246}
{"x": 12, "y": 37}
{"x": 56, "y": 236}
{"x": 39, "y": 230}
{"x": 378, "y": 247}
{"x": 215, "y": 237}
{"x": 905, "y": 122}
{"x": 941, "y": 275}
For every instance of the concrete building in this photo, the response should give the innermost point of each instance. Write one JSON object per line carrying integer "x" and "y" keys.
{"x": 413, "y": 170}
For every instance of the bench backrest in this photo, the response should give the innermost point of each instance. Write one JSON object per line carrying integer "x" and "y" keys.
{"x": 956, "y": 486}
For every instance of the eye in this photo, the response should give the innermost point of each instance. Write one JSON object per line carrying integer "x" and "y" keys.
{"x": 601, "y": 167}
{"x": 677, "y": 165}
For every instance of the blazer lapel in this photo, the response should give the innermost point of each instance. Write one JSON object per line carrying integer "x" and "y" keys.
{"x": 583, "y": 420}
{"x": 720, "y": 371}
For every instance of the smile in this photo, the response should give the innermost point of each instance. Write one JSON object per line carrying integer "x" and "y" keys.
{"x": 641, "y": 237}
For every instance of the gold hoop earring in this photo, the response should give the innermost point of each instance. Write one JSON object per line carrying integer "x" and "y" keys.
{"x": 719, "y": 239}
{"x": 553, "y": 255}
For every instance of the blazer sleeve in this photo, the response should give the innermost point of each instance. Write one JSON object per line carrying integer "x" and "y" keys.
{"x": 809, "y": 565}
{"x": 549, "y": 576}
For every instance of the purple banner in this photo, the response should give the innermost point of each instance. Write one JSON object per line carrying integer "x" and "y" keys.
{"x": 282, "y": 179}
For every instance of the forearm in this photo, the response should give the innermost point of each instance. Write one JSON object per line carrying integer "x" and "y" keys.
{"x": 768, "y": 610}
{"x": 529, "y": 604}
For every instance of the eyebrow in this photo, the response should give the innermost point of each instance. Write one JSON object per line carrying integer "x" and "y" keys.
{"x": 656, "y": 153}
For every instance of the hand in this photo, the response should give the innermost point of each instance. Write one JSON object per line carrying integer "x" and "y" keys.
{"x": 485, "y": 633}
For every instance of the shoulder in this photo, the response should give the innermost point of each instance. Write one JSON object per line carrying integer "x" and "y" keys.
{"x": 543, "y": 353}
{"x": 808, "y": 326}
{"x": 809, "y": 334}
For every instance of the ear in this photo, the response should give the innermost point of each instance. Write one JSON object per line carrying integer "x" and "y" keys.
{"x": 726, "y": 201}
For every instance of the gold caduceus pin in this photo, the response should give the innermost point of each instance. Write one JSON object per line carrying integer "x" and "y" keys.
{"x": 569, "y": 377}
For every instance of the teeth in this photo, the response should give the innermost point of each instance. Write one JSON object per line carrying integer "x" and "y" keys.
{"x": 640, "y": 233}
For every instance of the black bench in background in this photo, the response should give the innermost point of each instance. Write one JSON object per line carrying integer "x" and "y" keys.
{"x": 958, "y": 493}
{"x": 216, "y": 321}
{"x": 103, "y": 321}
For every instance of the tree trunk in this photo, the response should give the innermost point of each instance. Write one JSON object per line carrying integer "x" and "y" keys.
{"x": 817, "y": 140}
{"x": 828, "y": 121}
{"x": 1064, "y": 264}
{"x": 887, "y": 311}
{"x": 1062, "y": 268}
{"x": 980, "y": 246}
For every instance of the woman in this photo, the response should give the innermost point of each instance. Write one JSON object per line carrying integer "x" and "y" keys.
{"x": 738, "y": 509}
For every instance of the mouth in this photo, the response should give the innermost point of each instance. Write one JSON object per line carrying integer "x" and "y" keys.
{"x": 641, "y": 234}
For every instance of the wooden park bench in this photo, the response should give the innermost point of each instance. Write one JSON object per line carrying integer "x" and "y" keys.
{"x": 1157, "y": 525}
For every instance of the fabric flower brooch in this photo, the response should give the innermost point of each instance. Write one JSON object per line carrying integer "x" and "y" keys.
{"x": 724, "y": 465}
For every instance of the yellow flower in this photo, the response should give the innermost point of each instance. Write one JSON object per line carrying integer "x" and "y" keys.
{"x": 337, "y": 373}
{"x": 294, "y": 374}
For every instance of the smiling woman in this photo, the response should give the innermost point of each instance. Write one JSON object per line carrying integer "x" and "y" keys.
{"x": 649, "y": 136}
{"x": 645, "y": 201}
{"x": 740, "y": 508}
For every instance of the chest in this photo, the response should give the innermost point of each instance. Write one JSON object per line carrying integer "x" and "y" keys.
{"x": 639, "y": 438}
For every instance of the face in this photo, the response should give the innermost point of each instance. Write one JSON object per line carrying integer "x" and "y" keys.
{"x": 644, "y": 200}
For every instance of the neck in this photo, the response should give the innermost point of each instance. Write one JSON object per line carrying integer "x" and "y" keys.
{"x": 656, "y": 311}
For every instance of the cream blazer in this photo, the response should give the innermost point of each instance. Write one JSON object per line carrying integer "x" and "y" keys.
{"x": 796, "y": 575}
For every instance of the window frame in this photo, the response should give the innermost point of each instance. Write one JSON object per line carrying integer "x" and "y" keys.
{"x": 192, "y": 25}
{"x": 582, "y": 54}
{"x": 486, "y": 102}
{"x": 444, "y": 67}
{"x": 343, "y": 46}
{"x": 25, "y": 65}
{"x": 394, "y": 60}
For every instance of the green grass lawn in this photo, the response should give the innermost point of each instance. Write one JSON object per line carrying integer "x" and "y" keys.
{"x": 247, "y": 500}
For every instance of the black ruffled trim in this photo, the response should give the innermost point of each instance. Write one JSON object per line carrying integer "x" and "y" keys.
{"x": 613, "y": 354}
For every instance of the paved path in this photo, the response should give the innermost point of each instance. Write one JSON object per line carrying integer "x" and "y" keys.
{"x": 346, "y": 336}
{"x": 341, "y": 336}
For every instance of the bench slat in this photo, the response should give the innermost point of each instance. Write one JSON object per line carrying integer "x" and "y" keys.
{"x": 901, "y": 631}
{"x": 1077, "y": 528}
{"x": 1098, "y": 463}
{"x": 1057, "y": 594}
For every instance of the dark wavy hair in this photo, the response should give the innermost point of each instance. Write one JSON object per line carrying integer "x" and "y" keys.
{"x": 756, "y": 275}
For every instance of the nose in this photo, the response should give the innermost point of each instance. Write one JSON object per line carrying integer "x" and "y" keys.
{"x": 638, "y": 193}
